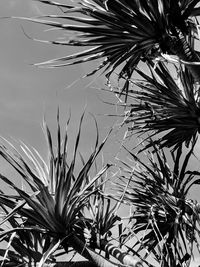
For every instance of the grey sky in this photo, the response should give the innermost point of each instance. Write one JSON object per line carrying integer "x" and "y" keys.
{"x": 27, "y": 92}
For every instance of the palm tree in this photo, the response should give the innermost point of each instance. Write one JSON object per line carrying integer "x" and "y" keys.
{"x": 60, "y": 210}
{"x": 55, "y": 198}
{"x": 123, "y": 33}
{"x": 76, "y": 212}
{"x": 164, "y": 220}
{"x": 164, "y": 106}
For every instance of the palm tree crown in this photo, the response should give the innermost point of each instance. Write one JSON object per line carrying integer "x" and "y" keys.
{"x": 123, "y": 33}
{"x": 164, "y": 220}
{"x": 164, "y": 106}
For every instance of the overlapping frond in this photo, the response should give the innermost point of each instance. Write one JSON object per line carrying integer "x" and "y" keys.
{"x": 166, "y": 106}
{"x": 26, "y": 246}
{"x": 61, "y": 204}
{"x": 104, "y": 218}
{"x": 122, "y": 33}
{"x": 164, "y": 220}
{"x": 55, "y": 195}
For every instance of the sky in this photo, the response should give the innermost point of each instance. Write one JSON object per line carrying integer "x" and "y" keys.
{"x": 27, "y": 93}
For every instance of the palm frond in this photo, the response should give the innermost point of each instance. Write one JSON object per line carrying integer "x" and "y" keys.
{"x": 164, "y": 106}
{"x": 25, "y": 245}
{"x": 57, "y": 193}
{"x": 165, "y": 221}
{"x": 122, "y": 33}
{"x": 104, "y": 217}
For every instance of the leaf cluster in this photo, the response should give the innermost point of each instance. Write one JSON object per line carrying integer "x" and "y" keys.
{"x": 122, "y": 33}
{"x": 53, "y": 203}
{"x": 164, "y": 106}
{"x": 164, "y": 220}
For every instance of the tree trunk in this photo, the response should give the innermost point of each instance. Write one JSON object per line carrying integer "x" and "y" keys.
{"x": 88, "y": 253}
{"x": 120, "y": 255}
